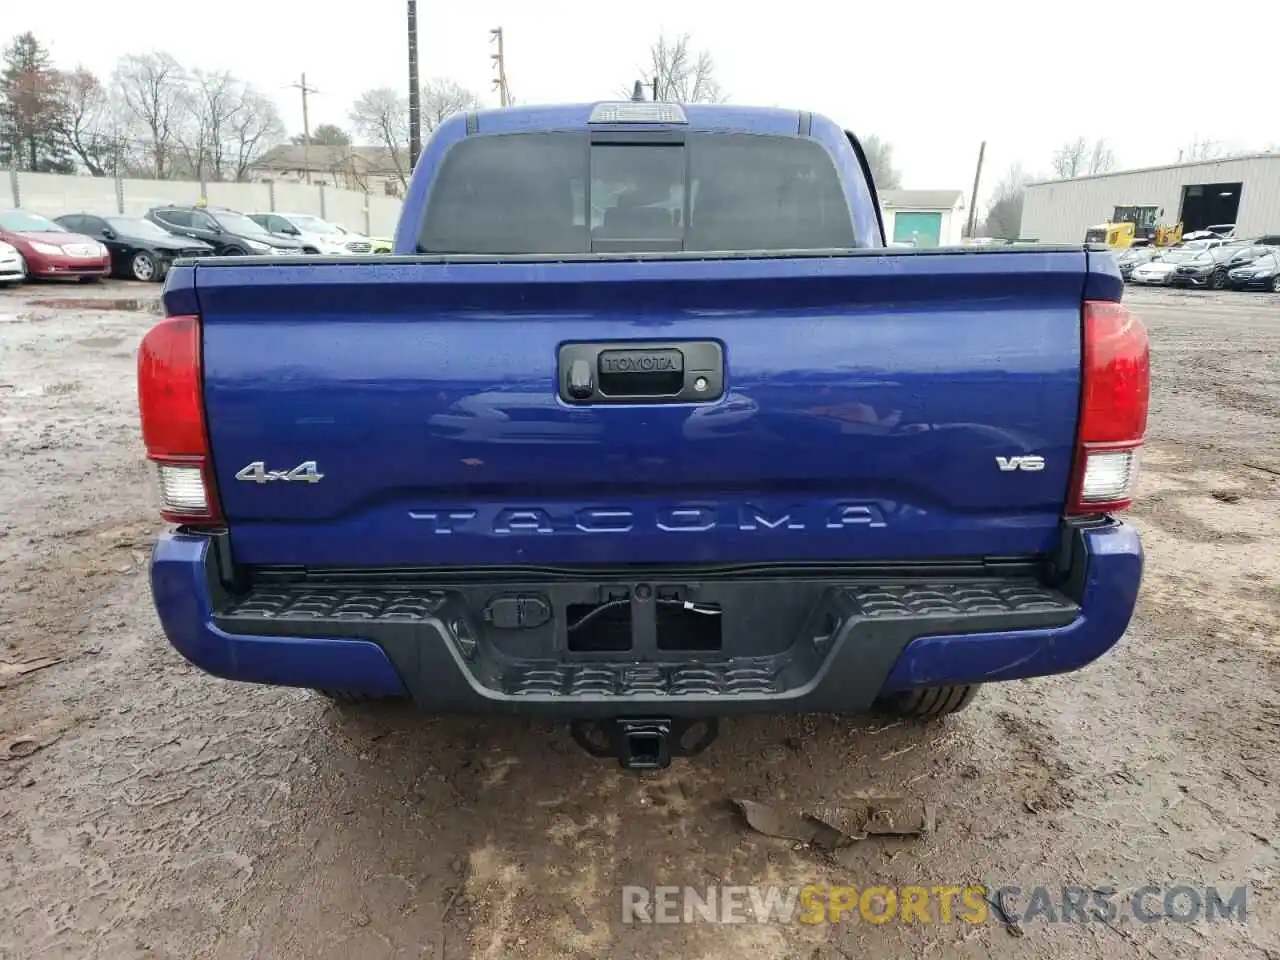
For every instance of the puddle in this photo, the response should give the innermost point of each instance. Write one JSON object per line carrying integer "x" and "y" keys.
{"x": 86, "y": 303}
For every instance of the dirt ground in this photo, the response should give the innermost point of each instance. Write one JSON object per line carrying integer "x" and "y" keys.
{"x": 148, "y": 810}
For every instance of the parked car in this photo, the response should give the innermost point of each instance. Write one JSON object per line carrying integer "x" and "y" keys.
{"x": 1135, "y": 257}
{"x": 139, "y": 249}
{"x": 1155, "y": 272}
{"x": 1202, "y": 243}
{"x": 583, "y": 554}
{"x": 1245, "y": 254}
{"x": 12, "y": 267}
{"x": 51, "y": 250}
{"x": 1219, "y": 231}
{"x": 314, "y": 233}
{"x": 381, "y": 245}
{"x": 1261, "y": 274}
{"x": 228, "y": 232}
{"x": 1200, "y": 267}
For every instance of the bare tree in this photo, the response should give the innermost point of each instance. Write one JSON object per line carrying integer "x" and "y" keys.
{"x": 1205, "y": 149}
{"x": 253, "y": 129}
{"x": 1101, "y": 158}
{"x": 210, "y": 101}
{"x": 87, "y": 122}
{"x": 381, "y": 116}
{"x": 1069, "y": 159}
{"x": 1004, "y": 215}
{"x": 1078, "y": 158}
{"x": 680, "y": 74}
{"x": 442, "y": 98}
{"x": 152, "y": 87}
{"x": 880, "y": 159}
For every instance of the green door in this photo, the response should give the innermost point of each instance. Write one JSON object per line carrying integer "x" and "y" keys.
{"x": 924, "y": 228}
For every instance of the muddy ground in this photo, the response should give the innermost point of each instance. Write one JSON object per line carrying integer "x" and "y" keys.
{"x": 147, "y": 810}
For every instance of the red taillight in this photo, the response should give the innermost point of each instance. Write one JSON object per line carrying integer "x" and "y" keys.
{"x": 173, "y": 429}
{"x": 1115, "y": 392}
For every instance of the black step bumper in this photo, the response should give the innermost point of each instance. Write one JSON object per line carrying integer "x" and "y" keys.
{"x": 826, "y": 641}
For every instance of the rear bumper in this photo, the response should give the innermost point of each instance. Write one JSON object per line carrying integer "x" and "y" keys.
{"x": 848, "y": 641}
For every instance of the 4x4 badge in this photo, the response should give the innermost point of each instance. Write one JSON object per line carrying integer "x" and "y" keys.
{"x": 257, "y": 472}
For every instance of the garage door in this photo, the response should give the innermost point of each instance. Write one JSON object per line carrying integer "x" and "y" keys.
{"x": 924, "y": 228}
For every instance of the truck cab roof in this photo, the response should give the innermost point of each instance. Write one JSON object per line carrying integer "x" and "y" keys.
{"x": 699, "y": 116}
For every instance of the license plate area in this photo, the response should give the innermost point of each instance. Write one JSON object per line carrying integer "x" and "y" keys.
{"x": 647, "y": 372}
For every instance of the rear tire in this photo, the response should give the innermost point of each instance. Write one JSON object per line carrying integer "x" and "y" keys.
{"x": 1275, "y": 284}
{"x": 929, "y": 702}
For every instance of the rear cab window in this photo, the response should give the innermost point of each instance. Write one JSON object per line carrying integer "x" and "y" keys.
{"x": 559, "y": 193}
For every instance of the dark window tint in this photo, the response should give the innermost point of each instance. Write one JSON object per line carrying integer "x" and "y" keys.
{"x": 179, "y": 218}
{"x": 637, "y": 197}
{"x": 554, "y": 193}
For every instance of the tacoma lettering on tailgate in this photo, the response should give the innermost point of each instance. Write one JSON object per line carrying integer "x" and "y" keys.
{"x": 676, "y": 518}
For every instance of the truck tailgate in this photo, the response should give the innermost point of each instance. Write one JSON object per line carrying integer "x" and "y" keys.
{"x": 874, "y": 407}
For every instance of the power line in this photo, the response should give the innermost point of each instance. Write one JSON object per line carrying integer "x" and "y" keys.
{"x": 306, "y": 124}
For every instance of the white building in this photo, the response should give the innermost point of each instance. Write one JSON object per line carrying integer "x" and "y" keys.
{"x": 1241, "y": 190}
{"x": 929, "y": 218}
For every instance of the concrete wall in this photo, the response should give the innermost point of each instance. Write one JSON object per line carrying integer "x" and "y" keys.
{"x": 53, "y": 194}
{"x": 1061, "y": 211}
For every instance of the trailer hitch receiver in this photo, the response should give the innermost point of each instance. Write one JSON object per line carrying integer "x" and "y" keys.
{"x": 643, "y": 743}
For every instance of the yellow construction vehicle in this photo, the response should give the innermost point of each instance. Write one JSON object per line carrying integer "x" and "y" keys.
{"x": 1130, "y": 225}
{"x": 1167, "y": 236}
{"x": 1114, "y": 235}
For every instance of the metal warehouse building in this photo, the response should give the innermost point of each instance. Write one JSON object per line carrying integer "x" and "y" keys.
{"x": 1242, "y": 190}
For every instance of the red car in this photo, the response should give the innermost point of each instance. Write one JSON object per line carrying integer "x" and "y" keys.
{"x": 51, "y": 250}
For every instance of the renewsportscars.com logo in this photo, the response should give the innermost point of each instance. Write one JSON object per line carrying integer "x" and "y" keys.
{"x": 943, "y": 904}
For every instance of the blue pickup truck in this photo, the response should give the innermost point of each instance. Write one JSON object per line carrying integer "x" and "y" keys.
{"x": 643, "y": 426}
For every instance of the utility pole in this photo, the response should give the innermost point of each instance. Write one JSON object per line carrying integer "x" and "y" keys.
{"x": 973, "y": 198}
{"x": 415, "y": 93}
{"x": 306, "y": 125}
{"x": 654, "y": 84}
{"x": 500, "y": 60}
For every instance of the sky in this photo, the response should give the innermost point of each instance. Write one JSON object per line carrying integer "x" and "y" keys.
{"x": 934, "y": 78}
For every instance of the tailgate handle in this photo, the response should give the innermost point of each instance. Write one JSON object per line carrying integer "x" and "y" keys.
{"x": 670, "y": 372}
{"x": 641, "y": 373}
